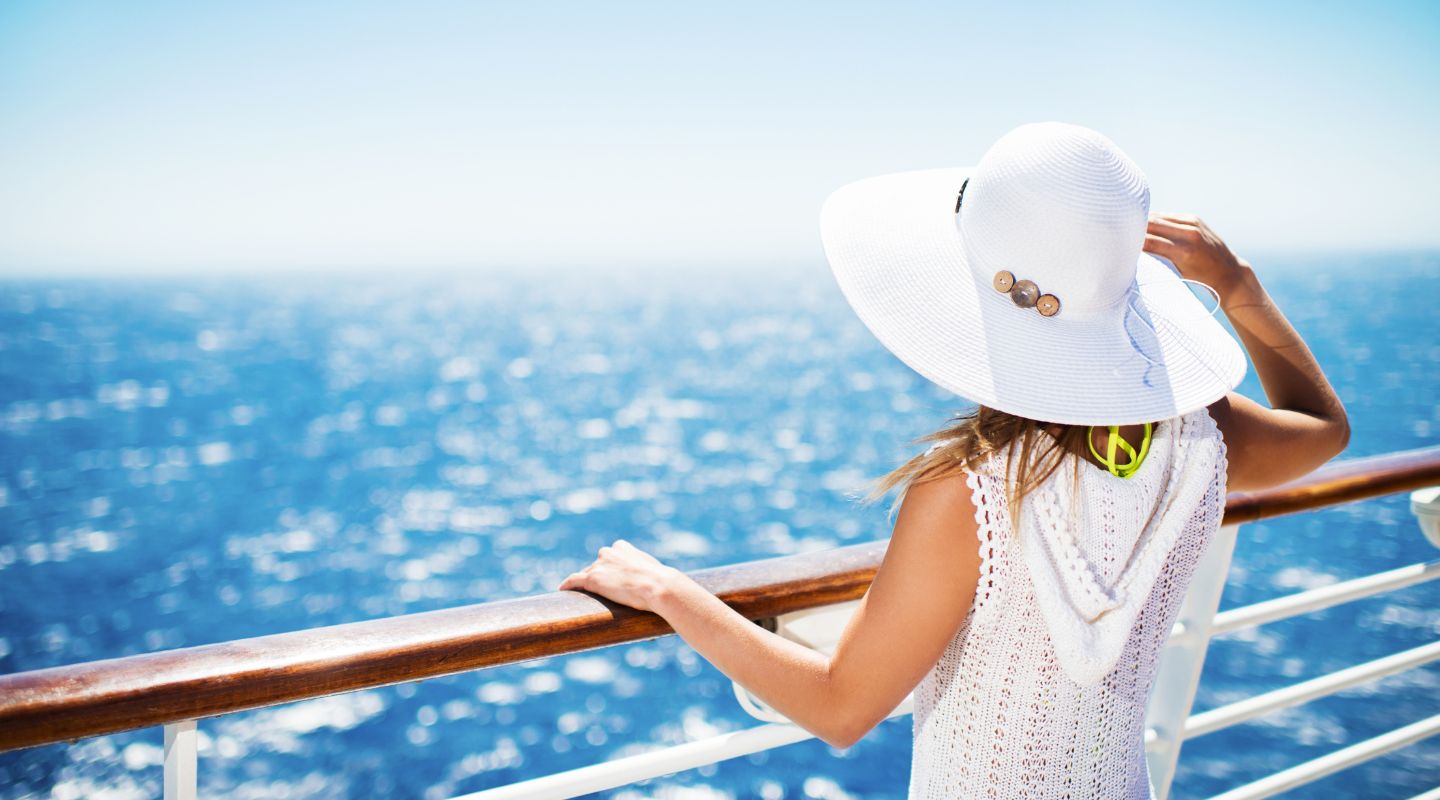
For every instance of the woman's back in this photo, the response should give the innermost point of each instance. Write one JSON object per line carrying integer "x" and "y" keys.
{"x": 1042, "y": 692}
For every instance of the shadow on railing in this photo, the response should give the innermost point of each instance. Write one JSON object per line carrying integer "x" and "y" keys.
{"x": 70, "y": 702}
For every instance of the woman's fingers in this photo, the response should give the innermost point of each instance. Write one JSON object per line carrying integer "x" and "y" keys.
{"x": 576, "y": 580}
{"x": 1171, "y": 229}
{"x": 1159, "y": 245}
{"x": 635, "y": 552}
{"x": 1189, "y": 220}
{"x": 1194, "y": 249}
{"x": 620, "y": 555}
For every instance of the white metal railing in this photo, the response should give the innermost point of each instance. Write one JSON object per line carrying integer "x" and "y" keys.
{"x": 663, "y": 761}
{"x": 1315, "y": 769}
{"x": 181, "y": 770}
{"x": 1169, "y": 722}
{"x": 1323, "y": 597}
{"x": 1305, "y": 691}
{"x": 1178, "y": 675}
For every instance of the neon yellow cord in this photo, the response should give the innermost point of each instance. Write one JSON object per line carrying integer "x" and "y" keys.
{"x": 1119, "y": 470}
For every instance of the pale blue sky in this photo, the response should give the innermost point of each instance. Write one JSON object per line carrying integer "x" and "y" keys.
{"x": 196, "y": 137}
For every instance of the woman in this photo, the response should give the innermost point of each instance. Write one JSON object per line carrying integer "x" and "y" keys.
{"x": 1033, "y": 575}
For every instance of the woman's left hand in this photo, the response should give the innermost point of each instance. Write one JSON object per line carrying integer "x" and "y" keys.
{"x": 624, "y": 573}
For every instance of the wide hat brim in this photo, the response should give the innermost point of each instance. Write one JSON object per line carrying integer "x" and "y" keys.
{"x": 898, "y": 255}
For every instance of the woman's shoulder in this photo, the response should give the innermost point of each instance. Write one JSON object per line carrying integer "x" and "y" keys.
{"x": 1206, "y": 424}
{"x": 941, "y": 494}
{"x": 932, "y": 510}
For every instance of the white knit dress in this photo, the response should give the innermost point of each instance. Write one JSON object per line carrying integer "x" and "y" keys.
{"x": 1042, "y": 692}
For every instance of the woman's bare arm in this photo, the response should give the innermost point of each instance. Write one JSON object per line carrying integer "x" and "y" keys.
{"x": 920, "y": 596}
{"x": 1306, "y": 424}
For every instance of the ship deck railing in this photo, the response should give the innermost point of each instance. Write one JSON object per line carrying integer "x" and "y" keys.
{"x": 175, "y": 688}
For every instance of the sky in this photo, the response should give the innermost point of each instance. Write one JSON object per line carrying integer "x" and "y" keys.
{"x": 142, "y": 137}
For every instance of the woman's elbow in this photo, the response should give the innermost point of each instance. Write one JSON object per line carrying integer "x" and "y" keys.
{"x": 1328, "y": 436}
{"x": 846, "y": 732}
{"x": 1343, "y": 434}
{"x": 841, "y": 739}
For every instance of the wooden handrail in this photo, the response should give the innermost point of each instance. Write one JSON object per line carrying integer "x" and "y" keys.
{"x": 1338, "y": 482}
{"x": 70, "y": 702}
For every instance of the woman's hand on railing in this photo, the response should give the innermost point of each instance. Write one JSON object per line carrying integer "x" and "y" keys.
{"x": 790, "y": 677}
{"x": 624, "y": 573}
{"x": 924, "y": 587}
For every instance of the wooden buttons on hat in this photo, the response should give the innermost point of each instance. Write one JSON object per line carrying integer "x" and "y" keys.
{"x": 1025, "y": 293}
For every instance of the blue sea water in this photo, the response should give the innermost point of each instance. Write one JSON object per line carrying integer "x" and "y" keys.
{"x": 192, "y": 461}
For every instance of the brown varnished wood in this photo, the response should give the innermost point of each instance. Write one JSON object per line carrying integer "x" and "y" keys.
{"x": 98, "y": 697}
{"x": 69, "y": 702}
{"x": 1338, "y": 482}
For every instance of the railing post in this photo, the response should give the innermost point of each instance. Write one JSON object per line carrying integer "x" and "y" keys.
{"x": 1182, "y": 660}
{"x": 180, "y": 768}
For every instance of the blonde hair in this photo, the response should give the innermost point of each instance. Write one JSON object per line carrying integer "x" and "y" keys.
{"x": 970, "y": 437}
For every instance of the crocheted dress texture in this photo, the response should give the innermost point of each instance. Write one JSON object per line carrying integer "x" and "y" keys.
{"x": 1042, "y": 692}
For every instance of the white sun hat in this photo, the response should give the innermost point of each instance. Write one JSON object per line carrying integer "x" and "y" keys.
{"x": 1021, "y": 283}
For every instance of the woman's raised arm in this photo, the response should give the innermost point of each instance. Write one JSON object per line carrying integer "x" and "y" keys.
{"x": 1306, "y": 424}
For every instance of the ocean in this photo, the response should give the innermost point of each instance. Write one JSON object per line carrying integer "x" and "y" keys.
{"x": 194, "y": 460}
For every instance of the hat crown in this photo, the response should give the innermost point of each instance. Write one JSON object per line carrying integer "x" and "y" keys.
{"x": 1060, "y": 205}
